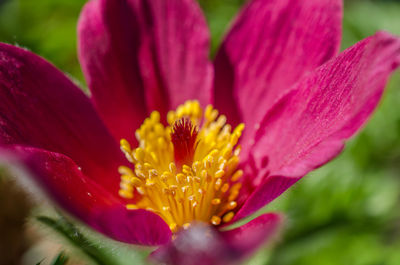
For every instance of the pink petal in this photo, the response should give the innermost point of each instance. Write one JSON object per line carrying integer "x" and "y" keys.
{"x": 107, "y": 47}
{"x": 133, "y": 226}
{"x": 202, "y": 244}
{"x": 271, "y": 188}
{"x": 174, "y": 54}
{"x": 248, "y": 237}
{"x": 63, "y": 180}
{"x": 309, "y": 125}
{"x": 143, "y": 55}
{"x": 42, "y": 108}
{"x": 270, "y": 46}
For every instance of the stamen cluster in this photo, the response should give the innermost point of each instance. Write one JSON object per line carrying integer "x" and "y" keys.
{"x": 182, "y": 173}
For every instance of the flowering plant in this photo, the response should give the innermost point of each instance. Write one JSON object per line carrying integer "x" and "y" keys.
{"x": 277, "y": 79}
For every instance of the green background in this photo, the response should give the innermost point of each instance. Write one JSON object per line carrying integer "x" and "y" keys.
{"x": 347, "y": 212}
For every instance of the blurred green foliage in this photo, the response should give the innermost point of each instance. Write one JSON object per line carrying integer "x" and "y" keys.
{"x": 347, "y": 212}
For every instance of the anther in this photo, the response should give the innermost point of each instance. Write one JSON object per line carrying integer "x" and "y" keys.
{"x": 173, "y": 227}
{"x": 218, "y": 184}
{"x": 172, "y": 168}
{"x": 123, "y": 170}
{"x": 186, "y": 169}
{"x": 126, "y": 178}
{"x": 139, "y": 154}
{"x": 237, "y": 175}
{"x": 180, "y": 178}
{"x": 225, "y": 188}
{"x": 204, "y": 173}
{"x": 216, "y": 201}
{"x": 215, "y": 220}
{"x": 232, "y": 205}
{"x": 125, "y": 194}
{"x": 140, "y": 190}
{"x": 219, "y": 173}
{"x": 228, "y": 217}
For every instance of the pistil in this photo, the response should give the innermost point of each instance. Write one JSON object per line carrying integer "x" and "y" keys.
{"x": 183, "y": 137}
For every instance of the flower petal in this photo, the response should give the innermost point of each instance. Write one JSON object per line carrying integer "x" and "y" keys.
{"x": 203, "y": 244}
{"x": 270, "y": 46}
{"x": 42, "y": 108}
{"x": 271, "y": 188}
{"x": 107, "y": 48}
{"x": 63, "y": 181}
{"x": 143, "y": 55}
{"x": 133, "y": 226}
{"x": 248, "y": 237}
{"x": 61, "y": 178}
{"x": 309, "y": 125}
{"x": 174, "y": 54}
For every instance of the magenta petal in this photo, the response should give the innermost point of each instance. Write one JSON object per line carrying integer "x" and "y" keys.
{"x": 133, "y": 226}
{"x": 61, "y": 178}
{"x": 248, "y": 237}
{"x": 108, "y": 35}
{"x": 309, "y": 125}
{"x": 203, "y": 244}
{"x": 42, "y": 108}
{"x": 270, "y": 188}
{"x": 174, "y": 54}
{"x": 270, "y": 46}
{"x": 64, "y": 182}
{"x": 143, "y": 55}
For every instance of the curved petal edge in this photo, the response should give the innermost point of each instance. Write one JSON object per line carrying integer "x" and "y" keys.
{"x": 61, "y": 179}
{"x": 309, "y": 125}
{"x": 271, "y": 45}
{"x": 42, "y": 108}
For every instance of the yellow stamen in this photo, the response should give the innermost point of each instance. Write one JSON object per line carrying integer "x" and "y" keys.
{"x": 228, "y": 217}
{"x": 190, "y": 176}
{"x": 215, "y": 220}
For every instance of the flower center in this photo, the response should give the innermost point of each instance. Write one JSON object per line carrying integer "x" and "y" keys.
{"x": 186, "y": 171}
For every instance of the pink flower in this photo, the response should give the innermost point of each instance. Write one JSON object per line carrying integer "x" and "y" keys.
{"x": 277, "y": 72}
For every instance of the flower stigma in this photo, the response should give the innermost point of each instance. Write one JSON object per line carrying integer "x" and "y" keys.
{"x": 186, "y": 171}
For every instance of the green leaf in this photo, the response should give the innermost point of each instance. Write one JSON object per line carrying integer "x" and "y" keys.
{"x": 66, "y": 229}
{"x": 61, "y": 259}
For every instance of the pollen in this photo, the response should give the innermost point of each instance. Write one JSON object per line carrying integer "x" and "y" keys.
{"x": 186, "y": 171}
